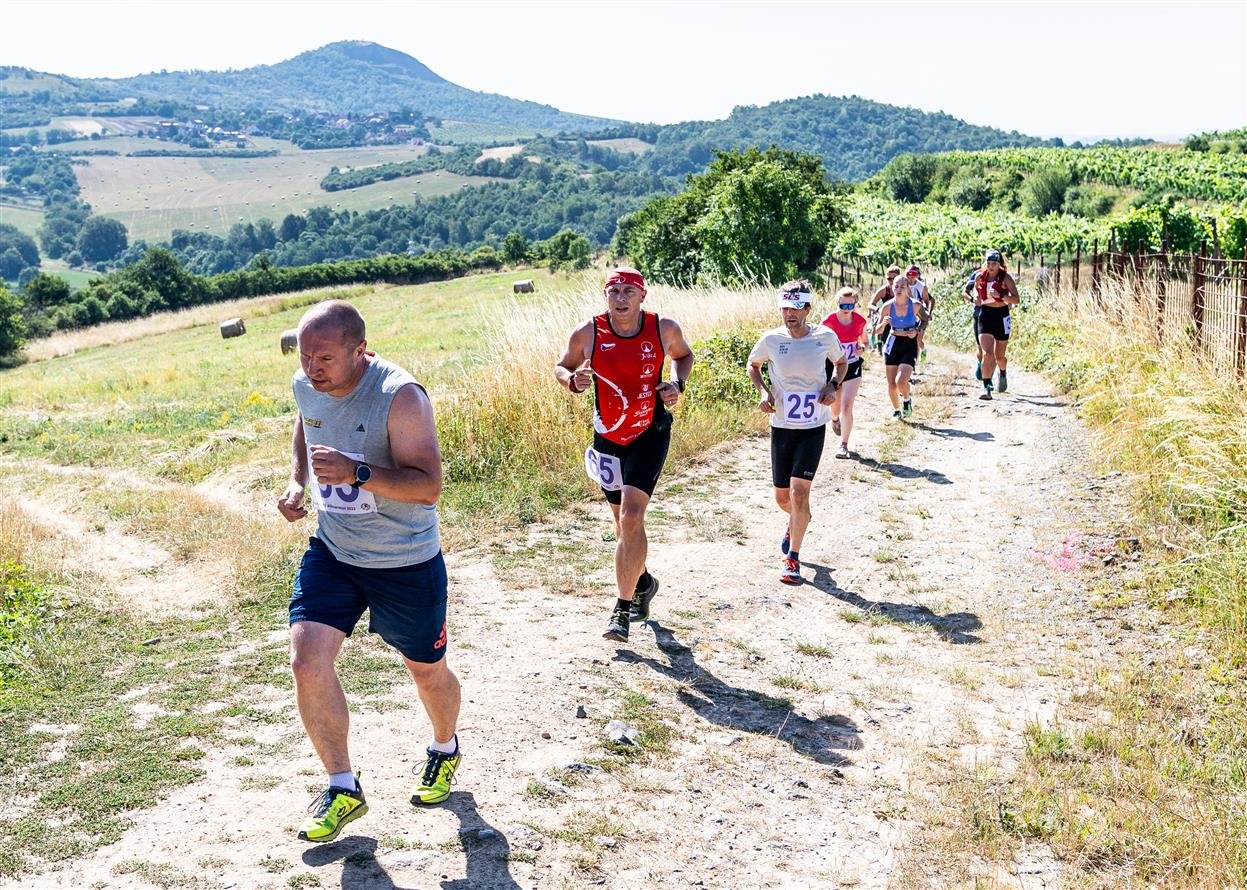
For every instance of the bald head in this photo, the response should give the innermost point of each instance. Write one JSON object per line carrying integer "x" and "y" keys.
{"x": 335, "y": 317}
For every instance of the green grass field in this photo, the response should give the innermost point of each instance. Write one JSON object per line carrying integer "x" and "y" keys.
{"x": 126, "y": 405}
{"x": 153, "y": 196}
{"x": 27, "y": 219}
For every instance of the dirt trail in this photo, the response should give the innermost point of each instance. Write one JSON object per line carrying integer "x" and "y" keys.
{"x": 807, "y": 730}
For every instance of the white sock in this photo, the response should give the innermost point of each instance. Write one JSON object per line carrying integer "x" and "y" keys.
{"x": 344, "y": 780}
{"x": 449, "y": 747}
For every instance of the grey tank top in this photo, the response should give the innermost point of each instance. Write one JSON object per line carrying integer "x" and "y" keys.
{"x": 359, "y": 527}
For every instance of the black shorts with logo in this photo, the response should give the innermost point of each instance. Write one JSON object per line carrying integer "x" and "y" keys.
{"x": 996, "y": 321}
{"x": 642, "y": 459}
{"x": 854, "y": 372}
{"x": 795, "y": 454}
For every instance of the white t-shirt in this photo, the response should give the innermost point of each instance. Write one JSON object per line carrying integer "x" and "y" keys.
{"x": 798, "y": 370}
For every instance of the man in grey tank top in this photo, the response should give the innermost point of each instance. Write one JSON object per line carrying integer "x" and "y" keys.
{"x": 366, "y": 444}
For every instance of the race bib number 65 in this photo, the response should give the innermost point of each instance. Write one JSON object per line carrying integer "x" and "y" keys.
{"x": 343, "y": 498}
{"x": 603, "y": 469}
{"x": 801, "y": 408}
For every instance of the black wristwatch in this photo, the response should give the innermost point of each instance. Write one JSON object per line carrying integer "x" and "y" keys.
{"x": 363, "y": 473}
{"x": 679, "y": 384}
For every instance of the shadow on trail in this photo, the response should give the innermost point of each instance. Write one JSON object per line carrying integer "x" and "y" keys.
{"x": 953, "y": 628}
{"x": 953, "y": 433}
{"x": 485, "y": 848}
{"x": 903, "y": 471}
{"x": 745, "y": 710}
{"x": 1051, "y": 402}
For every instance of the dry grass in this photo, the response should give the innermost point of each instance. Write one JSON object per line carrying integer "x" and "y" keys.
{"x": 1144, "y": 780}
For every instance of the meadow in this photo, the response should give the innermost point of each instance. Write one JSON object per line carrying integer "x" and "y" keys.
{"x": 154, "y": 195}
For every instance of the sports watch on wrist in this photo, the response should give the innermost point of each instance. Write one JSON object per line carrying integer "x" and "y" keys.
{"x": 679, "y": 384}
{"x": 363, "y": 473}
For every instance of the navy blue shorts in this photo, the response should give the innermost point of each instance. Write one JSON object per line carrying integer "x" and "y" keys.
{"x": 407, "y": 605}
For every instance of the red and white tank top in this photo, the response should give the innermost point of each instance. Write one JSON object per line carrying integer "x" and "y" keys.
{"x": 626, "y": 371}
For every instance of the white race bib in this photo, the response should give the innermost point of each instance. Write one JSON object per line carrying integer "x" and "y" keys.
{"x": 801, "y": 409}
{"x": 342, "y": 498}
{"x": 603, "y": 469}
{"x": 850, "y": 351}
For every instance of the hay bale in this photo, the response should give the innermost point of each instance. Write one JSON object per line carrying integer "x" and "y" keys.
{"x": 289, "y": 341}
{"x": 232, "y": 327}
{"x": 522, "y": 287}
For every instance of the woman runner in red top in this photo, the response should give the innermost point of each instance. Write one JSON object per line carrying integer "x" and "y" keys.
{"x": 620, "y": 353}
{"x": 850, "y": 328}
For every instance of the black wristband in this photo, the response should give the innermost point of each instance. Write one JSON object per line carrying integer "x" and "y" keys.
{"x": 679, "y": 384}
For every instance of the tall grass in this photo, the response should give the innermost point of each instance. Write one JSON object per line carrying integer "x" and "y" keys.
{"x": 513, "y": 440}
{"x": 1152, "y": 787}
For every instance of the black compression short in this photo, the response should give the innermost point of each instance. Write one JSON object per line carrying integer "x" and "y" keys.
{"x": 795, "y": 454}
{"x": 903, "y": 351}
{"x": 642, "y": 459}
{"x": 996, "y": 321}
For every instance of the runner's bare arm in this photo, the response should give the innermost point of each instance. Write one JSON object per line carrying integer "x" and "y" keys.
{"x": 416, "y": 477}
{"x": 572, "y": 370}
{"x": 828, "y": 393}
{"x": 677, "y": 348}
{"x": 885, "y": 319}
{"x": 1012, "y": 297}
{"x": 290, "y": 504}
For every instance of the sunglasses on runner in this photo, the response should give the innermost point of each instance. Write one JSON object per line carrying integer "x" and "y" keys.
{"x": 847, "y": 307}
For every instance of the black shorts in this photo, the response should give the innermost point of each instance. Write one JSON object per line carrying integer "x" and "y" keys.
{"x": 995, "y": 321}
{"x": 903, "y": 351}
{"x": 795, "y": 454}
{"x": 854, "y": 372}
{"x": 407, "y": 605}
{"x": 642, "y": 459}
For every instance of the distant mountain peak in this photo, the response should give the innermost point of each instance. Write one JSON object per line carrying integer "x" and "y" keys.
{"x": 377, "y": 55}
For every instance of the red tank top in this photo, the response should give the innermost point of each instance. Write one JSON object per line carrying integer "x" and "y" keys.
{"x": 849, "y": 334}
{"x": 625, "y": 372}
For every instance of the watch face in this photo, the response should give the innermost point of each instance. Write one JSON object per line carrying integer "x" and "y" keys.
{"x": 362, "y": 474}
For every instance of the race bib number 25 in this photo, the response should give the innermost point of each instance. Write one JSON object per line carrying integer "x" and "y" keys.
{"x": 603, "y": 469}
{"x": 343, "y": 498}
{"x": 801, "y": 408}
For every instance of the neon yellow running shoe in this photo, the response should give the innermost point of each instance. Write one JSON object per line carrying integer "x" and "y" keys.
{"x": 330, "y": 811}
{"x": 437, "y": 777}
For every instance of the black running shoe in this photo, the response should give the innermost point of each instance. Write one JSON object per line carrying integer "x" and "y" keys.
{"x": 1004, "y": 382}
{"x": 641, "y": 600}
{"x": 617, "y": 629}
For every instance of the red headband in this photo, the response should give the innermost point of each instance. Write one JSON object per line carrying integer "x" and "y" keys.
{"x": 625, "y": 276}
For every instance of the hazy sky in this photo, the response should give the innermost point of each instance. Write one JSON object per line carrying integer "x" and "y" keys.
{"x": 1071, "y": 69}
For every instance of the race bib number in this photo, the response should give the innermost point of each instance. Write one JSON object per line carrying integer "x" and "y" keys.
{"x": 603, "y": 469}
{"x": 342, "y": 498}
{"x": 850, "y": 351}
{"x": 1008, "y": 325}
{"x": 888, "y": 344}
{"x": 801, "y": 408}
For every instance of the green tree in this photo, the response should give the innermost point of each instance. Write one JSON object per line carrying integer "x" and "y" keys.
{"x": 909, "y": 177}
{"x": 752, "y": 216}
{"x": 46, "y": 291}
{"x": 12, "y": 325}
{"x": 13, "y": 238}
{"x": 1044, "y": 191}
{"x": 101, "y": 239}
{"x": 515, "y": 249}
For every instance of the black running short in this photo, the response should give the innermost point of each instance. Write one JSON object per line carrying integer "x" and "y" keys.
{"x": 996, "y": 321}
{"x": 900, "y": 351}
{"x": 855, "y": 370}
{"x": 642, "y": 459}
{"x": 795, "y": 454}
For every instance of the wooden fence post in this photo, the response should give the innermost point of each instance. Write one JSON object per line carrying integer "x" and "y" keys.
{"x": 1095, "y": 267}
{"x": 1077, "y": 263}
{"x": 1197, "y": 291}
{"x": 1162, "y": 283}
{"x": 1241, "y": 364}
{"x": 1057, "y": 276}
